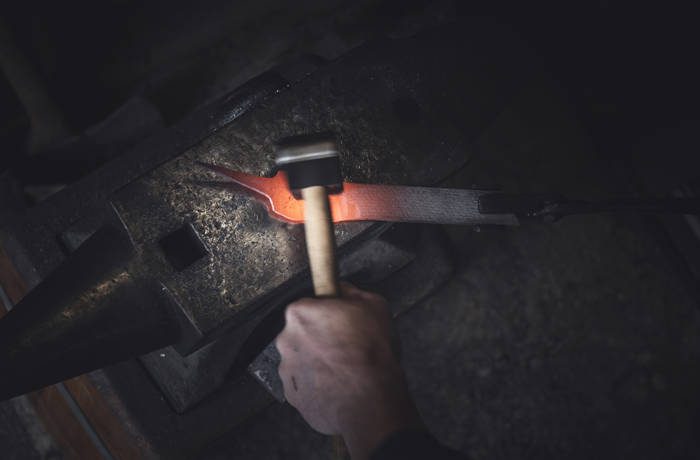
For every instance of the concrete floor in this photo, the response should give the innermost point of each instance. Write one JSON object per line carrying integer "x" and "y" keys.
{"x": 570, "y": 340}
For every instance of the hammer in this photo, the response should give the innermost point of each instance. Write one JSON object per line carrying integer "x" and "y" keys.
{"x": 313, "y": 171}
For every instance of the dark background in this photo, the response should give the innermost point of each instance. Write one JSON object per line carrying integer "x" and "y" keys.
{"x": 627, "y": 70}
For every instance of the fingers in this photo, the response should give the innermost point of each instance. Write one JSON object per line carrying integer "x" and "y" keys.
{"x": 307, "y": 315}
{"x": 318, "y": 316}
{"x": 322, "y": 319}
{"x": 286, "y": 343}
{"x": 288, "y": 346}
{"x": 348, "y": 291}
{"x": 295, "y": 311}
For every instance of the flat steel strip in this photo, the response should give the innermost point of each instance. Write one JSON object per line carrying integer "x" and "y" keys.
{"x": 369, "y": 202}
{"x": 392, "y": 203}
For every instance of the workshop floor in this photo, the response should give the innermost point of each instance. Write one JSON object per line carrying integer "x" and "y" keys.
{"x": 570, "y": 340}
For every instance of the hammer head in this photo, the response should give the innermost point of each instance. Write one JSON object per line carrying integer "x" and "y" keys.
{"x": 310, "y": 160}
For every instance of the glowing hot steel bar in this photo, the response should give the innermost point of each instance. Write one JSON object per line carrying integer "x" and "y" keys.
{"x": 368, "y": 202}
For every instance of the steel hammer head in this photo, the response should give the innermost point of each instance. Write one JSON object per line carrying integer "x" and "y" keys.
{"x": 310, "y": 160}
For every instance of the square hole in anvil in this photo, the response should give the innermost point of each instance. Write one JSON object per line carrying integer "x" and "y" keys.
{"x": 183, "y": 247}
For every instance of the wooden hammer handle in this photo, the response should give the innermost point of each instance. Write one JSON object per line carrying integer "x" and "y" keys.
{"x": 320, "y": 241}
{"x": 320, "y": 245}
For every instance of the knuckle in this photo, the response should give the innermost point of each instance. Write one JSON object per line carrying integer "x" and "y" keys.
{"x": 285, "y": 343}
{"x": 282, "y": 368}
{"x": 300, "y": 311}
{"x": 282, "y": 344}
{"x": 290, "y": 396}
{"x": 293, "y": 312}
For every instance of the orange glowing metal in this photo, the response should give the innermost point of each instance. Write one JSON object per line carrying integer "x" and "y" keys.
{"x": 274, "y": 194}
{"x": 366, "y": 202}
